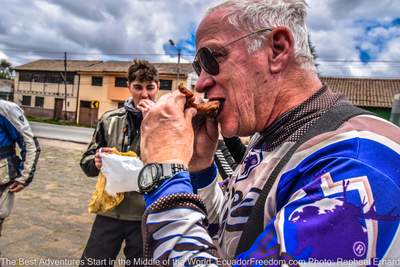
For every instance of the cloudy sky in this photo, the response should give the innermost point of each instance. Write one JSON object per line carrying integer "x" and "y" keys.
{"x": 352, "y": 37}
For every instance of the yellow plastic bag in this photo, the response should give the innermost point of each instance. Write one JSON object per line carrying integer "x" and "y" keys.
{"x": 100, "y": 200}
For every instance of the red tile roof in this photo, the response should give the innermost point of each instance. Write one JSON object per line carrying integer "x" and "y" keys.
{"x": 366, "y": 92}
{"x": 122, "y": 66}
{"x": 57, "y": 65}
{"x": 99, "y": 66}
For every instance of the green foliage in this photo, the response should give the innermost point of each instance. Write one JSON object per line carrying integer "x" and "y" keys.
{"x": 381, "y": 112}
{"x": 53, "y": 121}
{"x": 6, "y": 70}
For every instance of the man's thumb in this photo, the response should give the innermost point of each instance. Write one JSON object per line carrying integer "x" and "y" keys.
{"x": 190, "y": 113}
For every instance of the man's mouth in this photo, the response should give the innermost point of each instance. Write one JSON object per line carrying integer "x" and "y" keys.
{"x": 221, "y": 102}
{"x": 210, "y": 108}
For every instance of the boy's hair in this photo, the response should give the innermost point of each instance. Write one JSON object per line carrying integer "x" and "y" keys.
{"x": 142, "y": 70}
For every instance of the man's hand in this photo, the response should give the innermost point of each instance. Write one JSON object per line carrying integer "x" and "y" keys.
{"x": 97, "y": 158}
{"x": 145, "y": 105}
{"x": 16, "y": 187}
{"x": 166, "y": 132}
{"x": 205, "y": 143}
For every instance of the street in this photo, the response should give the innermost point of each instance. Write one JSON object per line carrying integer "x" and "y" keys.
{"x": 62, "y": 132}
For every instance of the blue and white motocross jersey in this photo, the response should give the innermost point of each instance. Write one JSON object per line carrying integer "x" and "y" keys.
{"x": 338, "y": 199}
{"x": 15, "y": 129}
{"x": 336, "y": 202}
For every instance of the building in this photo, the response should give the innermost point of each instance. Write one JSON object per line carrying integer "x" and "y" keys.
{"x": 6, "y": 89}
{"x": 41, "y": 91}
{"x": 92, "y": 87}
{"x": 106, "y": 84}
{"x": 375, "y": 95}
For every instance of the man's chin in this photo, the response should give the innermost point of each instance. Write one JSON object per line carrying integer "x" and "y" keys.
{"x": 231, "y": 131}
{"x": 228, "y": 131}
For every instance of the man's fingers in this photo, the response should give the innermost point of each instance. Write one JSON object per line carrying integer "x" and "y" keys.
{"x": 179, "y": 98}
{"x": 170, "y": 103}
{"x": 16, "y": 187}
{"x": 105, "y": 150}
{"x": 212, "y": 128}
{"x": 189, "y": 114}
{"x": 145, "y": 105}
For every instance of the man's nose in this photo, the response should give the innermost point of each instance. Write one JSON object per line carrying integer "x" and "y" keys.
{"x": 205, "y": 82}
{"x": 144, "y": 94}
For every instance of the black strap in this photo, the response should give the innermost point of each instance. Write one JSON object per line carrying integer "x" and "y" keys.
{"x": 7, "y": 151}
{"x": 329, "y": 121}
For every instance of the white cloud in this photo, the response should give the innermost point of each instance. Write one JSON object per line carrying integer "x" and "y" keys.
{"x": 145, "y": 26}
{"x": 381, "y": 32}
{"x": 3, "y": 56}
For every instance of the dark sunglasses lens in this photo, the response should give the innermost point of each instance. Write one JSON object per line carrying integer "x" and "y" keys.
{"x": 196, "y": 67}
{"x": 208, "y": 61}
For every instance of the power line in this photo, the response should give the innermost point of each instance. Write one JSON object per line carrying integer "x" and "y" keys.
{"x": 356, "y": 61}
{"x": 328, "y": 60}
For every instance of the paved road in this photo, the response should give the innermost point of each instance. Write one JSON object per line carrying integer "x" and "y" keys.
{"x": 60, "y": 132}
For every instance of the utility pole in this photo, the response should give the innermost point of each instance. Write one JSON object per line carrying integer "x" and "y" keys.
{"x": 65, "y": 85}
{"x": 179, "y": 61}
{"x": 179, "y": 69}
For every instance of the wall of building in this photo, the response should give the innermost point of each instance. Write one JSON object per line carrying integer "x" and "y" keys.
{"x": 6, "y": 90}
{"x": 108, "y": 94}
{"x": 88, "y": 92}
{"x": 50, "y": 92}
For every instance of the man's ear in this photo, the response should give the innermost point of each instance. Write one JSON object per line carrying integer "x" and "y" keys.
{"x": 281, "y": 49}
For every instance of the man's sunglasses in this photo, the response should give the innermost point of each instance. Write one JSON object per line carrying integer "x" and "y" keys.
{"x": 205, "y": 57}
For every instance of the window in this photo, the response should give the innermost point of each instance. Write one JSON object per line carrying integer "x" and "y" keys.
{"x": 121, "y": 82}
{"x": 57, "y": 77}
{"x": 45, "y": 77}
{"x": 26, "y": 100}
{"x": 39, "y": 101}
{"x": 70, "y": 77}
{"x": 25, "y": 76}
{"x": 97, "y": 80}
{"x": 166, "y": 84}
{"x": 38, "y": 77}
{"x": 54, "y": 77}
{"x": 85, "y": 104}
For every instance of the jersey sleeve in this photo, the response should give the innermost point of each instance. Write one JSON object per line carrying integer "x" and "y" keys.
{"x": 30, "y": 149}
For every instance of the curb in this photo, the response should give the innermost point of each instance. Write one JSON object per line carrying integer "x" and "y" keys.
{"x": 63, "y": 140}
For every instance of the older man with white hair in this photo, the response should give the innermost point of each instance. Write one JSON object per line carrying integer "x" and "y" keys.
{"x": 320, "y": 180}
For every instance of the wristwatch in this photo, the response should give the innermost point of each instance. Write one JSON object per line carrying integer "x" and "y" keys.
{"x": 152, "y": 174}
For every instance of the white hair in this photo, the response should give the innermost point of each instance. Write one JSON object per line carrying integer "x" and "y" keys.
{"x": 252, "y": 15}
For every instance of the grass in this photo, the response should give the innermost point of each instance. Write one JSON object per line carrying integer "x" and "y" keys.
{"x": 53, "y": 121}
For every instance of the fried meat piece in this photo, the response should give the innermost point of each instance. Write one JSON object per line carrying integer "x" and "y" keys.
{"x": 209, "y": 109}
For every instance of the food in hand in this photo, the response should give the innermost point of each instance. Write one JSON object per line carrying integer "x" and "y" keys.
{"x": 209, "y": 109}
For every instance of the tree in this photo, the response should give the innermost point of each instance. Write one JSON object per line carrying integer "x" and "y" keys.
{"x": 313, "y": 52}
{"x": 5, "y": 69}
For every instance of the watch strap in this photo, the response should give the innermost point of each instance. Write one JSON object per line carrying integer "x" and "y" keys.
{"x": 170, "y": 169}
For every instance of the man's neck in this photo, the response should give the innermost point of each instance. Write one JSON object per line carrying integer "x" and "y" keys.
{"x": 292, "y": 91}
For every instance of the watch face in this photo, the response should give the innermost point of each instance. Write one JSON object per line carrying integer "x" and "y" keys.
{"x": 148, "y": 177}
